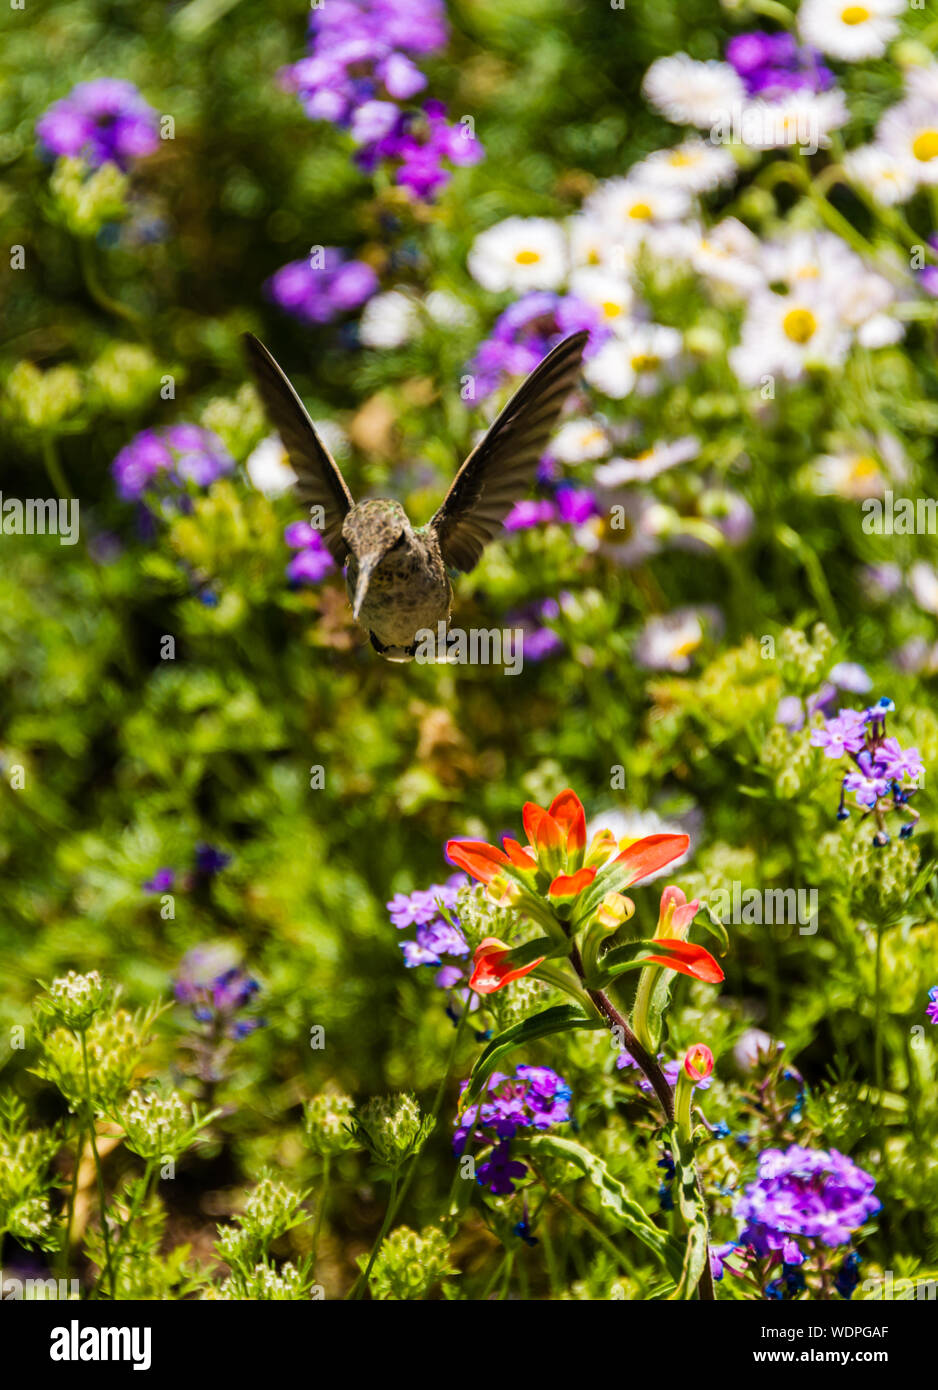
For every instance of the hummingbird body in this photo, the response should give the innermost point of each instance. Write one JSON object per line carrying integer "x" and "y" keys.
{"x": 398, "y": 576}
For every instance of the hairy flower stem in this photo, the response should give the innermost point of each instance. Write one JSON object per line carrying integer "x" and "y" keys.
{"x": 66, "y": 1251}
{"x": 320, "y": 1210}
{"x": 649, "y": 1065}
{"x": 97, "y": 1167}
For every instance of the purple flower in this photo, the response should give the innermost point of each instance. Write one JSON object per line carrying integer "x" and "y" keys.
{"x": 310, "y": 566}
{"x": 161, "y": 882}
{"x": 852, "y": 677}
{"x": 435, "y": 937}
{"x": 771, "y": 65}
{"x": 104, "y": 121}
{"x": 165, "y": 461}
{"x": 813, "y": 1194}
{"x": 931, "y": 1012}
{"x": 897, "y": 763}
{"x": 534, "y": 1098}
{"x": 529, "y": 513}
{"x": 842, "y": 734}
{"x": 319, "y": 294}
{"x": 576, "y": 505}
{"x": 217, "y": 989}
{"x": 209, "y": 860}
{"x": 790, "y": 713}
{"x": 526, "y": 331}
{"x": 500, "y": 1172}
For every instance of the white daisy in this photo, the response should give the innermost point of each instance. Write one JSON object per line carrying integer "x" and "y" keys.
{"x": 588, "y": 240}
{"x": 632, "y": 360}
{"x": 628, "y": 207}
{"x": 850, "y": 31}
{"x": 669, "y": 643}
{"x": 694, "y": 166}
{"x": 645, "y": 466}
{"x": 730, "y": 254}
{"x": 784, "y": 334}
{"x": 804, "y": 119}
{"x": 880, "y": 173}
{"x": 447, "y": 308}
{"x": 625, "y": 530}
{"x": 389, "y": 320}
{"x": 848, "y": 474}
{"x": 521, "y": 253}
{"x": 922, "y": 82}
{"x": 579, "y": 440}
{"x": 804, "y": 261}
{"x": 693, "y": 93}
{"x": 611, "y": 294}
{"x": 630, "y": 824}
{"x": 909, "y": 132}
{"x": 923, "y": 581}
{"x": 268, "y": 468}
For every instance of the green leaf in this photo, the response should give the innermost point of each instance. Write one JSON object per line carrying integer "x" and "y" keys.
{"x": 693, "y": 1212}
{"x": 609, "y": 1189}
{"x": 564, "y": 1018}
{"x": 541, "y": 946}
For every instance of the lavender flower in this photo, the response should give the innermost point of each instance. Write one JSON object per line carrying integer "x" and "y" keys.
{"x": 217, "y": 991}
{"x": 319, "y": 294}
{"x": 161, "y": 882}
{"x": 882, "y": 767}
{"x": 161, "y": 462}
{"x": 931, "y": 1012}
{"x": 811, "y": 1194}
{"x": 773, "y": 65}
{"x": 104, "y": 121}
{"x": 526, "y": 331}
{"x": 534, "y": 1098}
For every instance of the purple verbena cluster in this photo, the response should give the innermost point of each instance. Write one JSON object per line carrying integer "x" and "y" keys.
{"x": 771, "y": 65}
{"x": 540, "y": 640}
{"x": 804, "y": 1194}
{"x": 161, "y": 462}
{"x": 534, "y": 1098}
{"x": 883, "y": 768}
{"x": 312, "y": 562}
{"x": 217, "y": 992}
{"x": 208, "y": 860}
{"x": 931, "y": 1012}
{"x": 322, "y": 288}
{"x": 105, "y": 121}
{"x": 526, "y": 331}
{"x": 435, "y": 936}
{"x": 359, "y": 69}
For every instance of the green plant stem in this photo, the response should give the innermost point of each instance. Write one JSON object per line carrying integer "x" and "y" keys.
{"x": 66, "y": 1251}
{"x": 97, "y": 291}
{"x": 320, "y": 1210}
{"x": 54, "y": 468}
{"x": 97, "y": 1167}
{"x": 400, "y": 1189}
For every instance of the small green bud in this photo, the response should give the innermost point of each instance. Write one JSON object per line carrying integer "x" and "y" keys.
{"x": 73, "y": 1000}
{"x": 42, "y": 400}
{"x": 85, "y": 200}
{"x": 391, "y": 1128}
{"x": 327, "y": 1121}
{"x": 156, "y": 1126}
{"x": 410, "y": 1264}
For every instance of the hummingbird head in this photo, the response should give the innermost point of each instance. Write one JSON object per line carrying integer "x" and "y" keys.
{"x": 371, "y": 531}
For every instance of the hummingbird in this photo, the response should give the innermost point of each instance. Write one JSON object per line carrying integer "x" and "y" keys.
{"x": 398, "y": 576}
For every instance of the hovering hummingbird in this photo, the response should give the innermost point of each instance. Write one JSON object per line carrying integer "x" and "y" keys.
{"x": 398, "y": 576}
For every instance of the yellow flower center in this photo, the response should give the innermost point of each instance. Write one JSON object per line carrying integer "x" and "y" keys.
{"x": 679, "y": 160}
{"x": 640, "y": 211}
{"x": 611, "y": 309}
{"x": 864, "y": 466}
{"x": 925, "y": 146}
{"x": 527, "y": 257}
{"x": 855, "y": 14}
{"x": 799, "y": 325}
{"x": 645, "y": 362}
{"x": 690, "y": 644}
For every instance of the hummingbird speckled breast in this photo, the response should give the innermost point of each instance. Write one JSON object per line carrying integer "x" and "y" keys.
{"x": 398, "y": 575}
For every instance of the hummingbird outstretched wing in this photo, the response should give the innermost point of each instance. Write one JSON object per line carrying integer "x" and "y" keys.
{"x": 500, "y": 468}
{"x": 320, "y": 484}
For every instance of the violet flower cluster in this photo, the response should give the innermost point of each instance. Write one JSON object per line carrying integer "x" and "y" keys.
{"x": 322, "y": 288}
{"x": 161, "y": 462}
{"x": 886, "y": 774}
{"x": 931, "y": 1011}
{"x": 208, "y": 860}
{"x": 534, "y": 1098}
{"x": 105, "y": 121}
{"x": 312, "y": 561}
{"x": 772, "y": 65}
{"x": 217, "y": 998}
{"x": 358, "y": 71}
{"x": 526, "y": 331}
{"x": 436, "y": 937}
{"x": 804, "y": 1194}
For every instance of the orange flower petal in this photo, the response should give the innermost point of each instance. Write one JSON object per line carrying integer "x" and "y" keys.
{"x": 569, "y": 885}
{"x": 542, "y": 830}
{"x": 567, "y": 811}
{"x": 492, "y": 968}
{"x": 687, "y": 958}
{"x": 521, "y": 858}
{"x": 649, "y": 854}
{"x": 480, "y": 860}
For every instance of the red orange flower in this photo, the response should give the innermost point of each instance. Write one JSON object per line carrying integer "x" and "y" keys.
{"x": 493, "y": 969}
{"x": 699, "y": 1062}
{"x": 687, "y": 958}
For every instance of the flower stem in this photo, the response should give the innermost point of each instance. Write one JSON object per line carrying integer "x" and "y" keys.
{"x": 54, "y": 468}
{"x": 97, "y": 1167}
{"x": 320, "y": 1210}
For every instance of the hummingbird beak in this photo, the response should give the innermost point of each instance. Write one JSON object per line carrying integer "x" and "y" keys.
{"x": 365, "y": 570}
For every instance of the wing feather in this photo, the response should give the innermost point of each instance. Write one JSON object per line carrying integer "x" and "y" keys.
{"x": 500, "y": 468}
{"x": 319, "y": 482}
